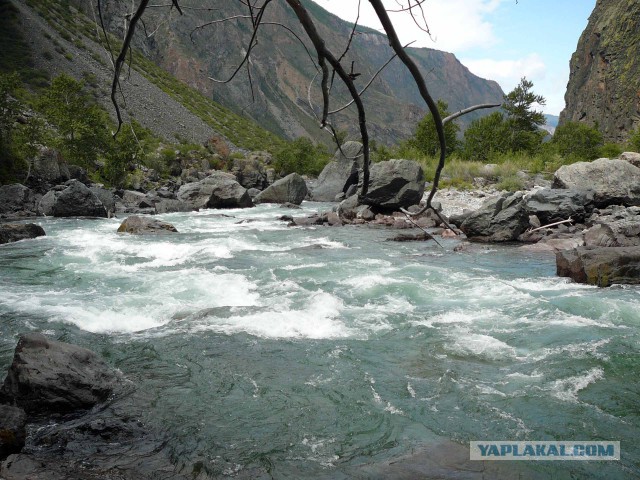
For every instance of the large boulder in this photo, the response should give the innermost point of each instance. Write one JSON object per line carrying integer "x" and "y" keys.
{"x": 107, "y": 197}
{"x": 615, "y": 182}
{"x": 169, "y": 205}
{"x": 601, "y": 266}
{"x": 49, "y": 167}
{"x": 499, "y": 219}
{"x": 394, "y": 184}
{"x": 46, "y": 203}
{"x": 615, "y": 226}
{"x": 290, "y": 189}
{"x": 340, "y": 173}
{"x": 77, "y": 201}
{"x": 632, "y": 157}
{"x": 12, "y": 232}
{"x": 13, "y": 422}
{"x": 47, "y": 376}
{"x": 219, "y": 190}
{"x": 551, "y": 205}
{"x": 16, "y": 198}
{"x": 145, "y": 226}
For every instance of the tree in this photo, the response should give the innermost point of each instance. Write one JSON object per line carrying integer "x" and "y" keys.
{"x": 82, "y": 126}
{"x": 425, "y": 138}
{"x": 523, "y": 120}
{"x": 486, "y": 136}
{"x": 578, "y": 140}
{"x": 327, "y": 63}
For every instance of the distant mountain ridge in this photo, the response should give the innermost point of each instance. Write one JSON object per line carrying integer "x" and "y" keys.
{"x": 281, "y": 70}
{"x": 604, "y": 83}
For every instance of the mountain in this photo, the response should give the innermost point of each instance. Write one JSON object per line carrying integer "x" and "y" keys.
{"x": 551, "y": 123}
{"x": 604, "y": 83}
{"x": 281, "y": 70}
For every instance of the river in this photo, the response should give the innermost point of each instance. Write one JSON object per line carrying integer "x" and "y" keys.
{"x": 308, "y": 352}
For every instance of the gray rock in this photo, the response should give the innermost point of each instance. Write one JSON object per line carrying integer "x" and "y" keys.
{"x": 16, "y": 198}
{"x": 551, "y": 205}
{"x": 614, "y": 181}
{"x": 395, "y": 184}
{"x": 132, "y": 198}
{"x": 78, "y": 173}
{"x": 13, "y": 421}
{"x": 77, "y": 201}
{"x": 171, "y": 206}
{"x": 253, "y": 192}
{"x": 13, "y": 232}
{"x": 49, "y": 166}
{"x": 107, "y": 197}
{"x": 250, "y": 173}
{"x": 145, "y": 226}
{"x": 499, "y": 219}
{"x": 219, "y": 190}
{"x": 632, "y": 157}
{"x": 601, "y": 266}
{"x": 47, "y": 376}
{"x": 615, "y": 226}
{"x": 339, "y": 174}
{"x": 46, "y": 203}
{"x": 290, "y": 189}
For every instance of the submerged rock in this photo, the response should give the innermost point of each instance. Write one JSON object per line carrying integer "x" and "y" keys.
{"x": 145, "y": 226}
{"x": 47, "y": 376}
{"x": 290, "y": 189}
{"x": 601, "y": 266}
{"x": 13, "y": 232}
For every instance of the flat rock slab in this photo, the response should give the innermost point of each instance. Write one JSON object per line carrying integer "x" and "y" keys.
{"x": 47, "y": 376}
{"x": 13, "y": 232}
{"x": 601, "y": 266}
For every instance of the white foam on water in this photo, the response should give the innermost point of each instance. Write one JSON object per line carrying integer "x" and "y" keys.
{"x": 299, "y": 267}
{"x": 573, "y": 350}
{"x": 367, "y": 281}
{"x": 318, "y": 320}
{"x": 567, "y": 389}
{"x": 411, "y": 391}
{"x": 568, "y": 320}
{"x": 487, "y": 390}
{"x": 485, "y": 346}
{"x": 153, "y": 303}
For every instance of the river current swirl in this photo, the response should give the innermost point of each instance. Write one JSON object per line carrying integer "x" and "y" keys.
{"x": 311, "y": 351}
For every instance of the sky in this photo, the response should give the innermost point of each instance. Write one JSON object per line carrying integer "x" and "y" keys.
{"x": 501, "y": 40}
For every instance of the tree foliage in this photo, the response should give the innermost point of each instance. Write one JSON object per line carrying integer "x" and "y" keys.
{"x": 301, "y": 156}
{"x": 486, "y": 137}
{"x": 578, "y": 140}
{"x": 82, "y": 126}
{"x": 425, "y": 138}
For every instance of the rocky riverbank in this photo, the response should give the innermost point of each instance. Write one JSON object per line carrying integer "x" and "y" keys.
{"x": 590, "y": 204}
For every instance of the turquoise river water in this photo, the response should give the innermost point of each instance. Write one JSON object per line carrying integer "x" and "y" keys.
{"x": 309, "y": 352}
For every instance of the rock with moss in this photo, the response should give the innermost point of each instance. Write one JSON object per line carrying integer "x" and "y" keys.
{"x": 601, "y": 266}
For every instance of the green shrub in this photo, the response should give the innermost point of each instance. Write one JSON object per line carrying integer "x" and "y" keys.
{"x": 301, "y": 156}
{"x": 610, "y": 150}
{"x": 425, "y": 138}
{"x": 634, "y": 141}
{"x": 578, "y": 140}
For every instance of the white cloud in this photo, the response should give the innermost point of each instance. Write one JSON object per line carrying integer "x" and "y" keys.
{"x": 455, "y": 25}
{"x": 509, "y": 72}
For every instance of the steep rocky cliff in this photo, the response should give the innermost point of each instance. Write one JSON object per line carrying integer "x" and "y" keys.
{"x": 281, "y": 69}
{"x": 604, "y": 85}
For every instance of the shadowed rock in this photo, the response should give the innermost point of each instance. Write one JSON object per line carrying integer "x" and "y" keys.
{"x": 13, "y": 232}
{"x": 219, "y": 190}
{"x": 339, "y": 174}
{"x": 77, "y": 201}
{"x": 47, "y": 376}
{"x": 13, "y": 421}
{"x": 395, "y": 184}
{"x": 16, "y": 198}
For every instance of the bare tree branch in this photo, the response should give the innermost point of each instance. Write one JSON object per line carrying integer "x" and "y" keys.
{"x": 460, "y": 113}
